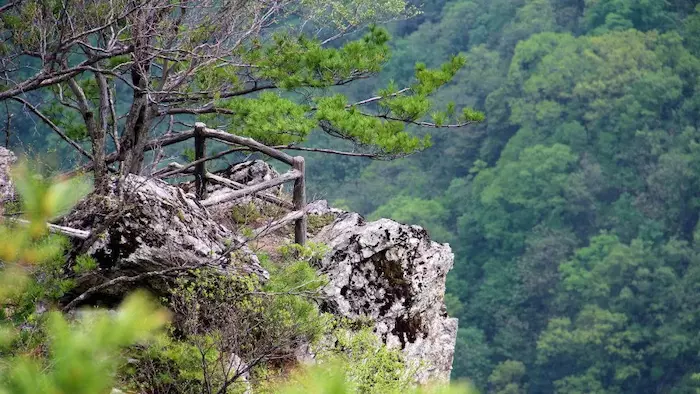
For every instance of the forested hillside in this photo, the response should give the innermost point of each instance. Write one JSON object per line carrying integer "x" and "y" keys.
{"x": 573, "y": 210}
{"x": 253, "y": 288}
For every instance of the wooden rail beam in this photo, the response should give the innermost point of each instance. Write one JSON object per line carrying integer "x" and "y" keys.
{"x": 251, "y": 143}
{"x": 236, "y": 194}
{"x": 67, "y": 231}
{"x": 234, "y": 185}
{"x": 239, "y": 186}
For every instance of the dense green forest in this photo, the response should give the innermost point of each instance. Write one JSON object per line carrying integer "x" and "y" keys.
{"x": 573, "y": 210}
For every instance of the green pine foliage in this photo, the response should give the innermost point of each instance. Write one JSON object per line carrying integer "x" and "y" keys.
{"x": 41, "y": 351}
{"x": 573, "y": 207}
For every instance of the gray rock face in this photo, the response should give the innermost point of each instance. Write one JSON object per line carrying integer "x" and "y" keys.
{"x": 321, "y": 207}
{"x": 7, "y": 191}
{"x": 394, "y": 274}
{"x": 154, "y": 226}
{"x": 389, "y": 272}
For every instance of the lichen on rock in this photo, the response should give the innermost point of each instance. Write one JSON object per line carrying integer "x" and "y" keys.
{"x": 389, "y": 273}
{"x": 395, "y": 275}
{"x": 7, "y": 190}
{"x": 148, "y": 225}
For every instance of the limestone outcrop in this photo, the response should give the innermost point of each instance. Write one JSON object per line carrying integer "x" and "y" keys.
{"x": 395, "y": 275}
{"x": 149, "y": 225}
{"x": 389, "y": 272}
{"x": 7, "y": 191}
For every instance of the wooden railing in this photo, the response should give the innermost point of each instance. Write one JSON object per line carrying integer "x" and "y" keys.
{"x": 198, "y": 168}
{"x": 297, "y": 174}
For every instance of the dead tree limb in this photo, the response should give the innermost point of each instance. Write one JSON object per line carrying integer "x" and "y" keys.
{"x": 150, "y": 145}
{"x": 272, "y": 226}
{"x": 123, "y": 279}
{"x": 67, "y": 231}
{"x": 53, "y": 126}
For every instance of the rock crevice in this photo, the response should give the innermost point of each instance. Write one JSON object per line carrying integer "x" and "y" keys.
{"x": 395, "y": 275}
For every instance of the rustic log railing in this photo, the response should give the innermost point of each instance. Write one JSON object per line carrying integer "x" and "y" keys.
{"x": 297, "y": 174}
{"x": 198, "y": 168}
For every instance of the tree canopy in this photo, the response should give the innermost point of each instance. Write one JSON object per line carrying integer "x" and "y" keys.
{"x": 573, "y": 208}
{"x": 113, "y": 73}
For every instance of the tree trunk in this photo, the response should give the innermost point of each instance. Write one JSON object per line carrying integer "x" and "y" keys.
{"x": 138, "y": 120}
{"x": 97, "y": 136}
{"x": 140, "y": 115}
{"x": 136, "y": 134}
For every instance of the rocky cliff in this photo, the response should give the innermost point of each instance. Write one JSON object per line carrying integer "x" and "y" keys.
{"x": 7, "y": 159}
{"x": 147, "y": 225}
{"x": 394, "y": 274}
{"x": 389, "y": 272}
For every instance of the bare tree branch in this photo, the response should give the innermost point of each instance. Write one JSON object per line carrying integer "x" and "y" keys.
{"x": 377, "y": 98}
{"x": 96, "y": 132}
{"x": 44, "y": 79}
{"x": 53, "y": 127}
{"x": 8, "y": 6}
{"x": 423, "y": 124}
{"x": 124, "y": 279}
{"x": 68, "y": 231}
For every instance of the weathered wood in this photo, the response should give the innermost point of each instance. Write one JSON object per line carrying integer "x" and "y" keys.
{"x": 286, "y": 177}
{"x": 233, "y": 185}
{"x": 299, "y": 201}
{"x": 200, "y": 169}
{"x": 67, "y": 231}
{"x": 251, "y": 143}
{"x": 239, "y": 186}
{"x": 272, "y": 226}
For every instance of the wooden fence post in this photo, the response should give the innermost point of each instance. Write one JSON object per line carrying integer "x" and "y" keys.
{"x": 299, "y": 201}
{"x": 200, "y": 170}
